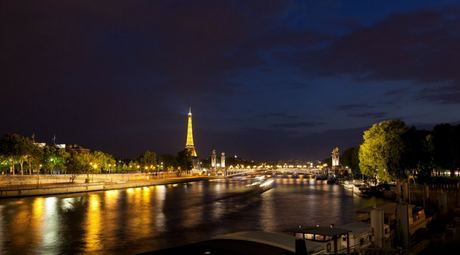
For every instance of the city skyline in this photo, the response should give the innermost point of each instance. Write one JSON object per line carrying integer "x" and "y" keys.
{"x": 266, "y": 80}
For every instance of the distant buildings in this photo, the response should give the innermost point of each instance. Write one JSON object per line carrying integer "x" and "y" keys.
{"x": 68, "y": 147}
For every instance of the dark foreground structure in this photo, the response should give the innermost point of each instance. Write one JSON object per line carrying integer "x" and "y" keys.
{"x": 245, "y": 243}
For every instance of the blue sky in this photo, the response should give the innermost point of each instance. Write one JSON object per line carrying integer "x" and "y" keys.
{"x": 265, "y": 79}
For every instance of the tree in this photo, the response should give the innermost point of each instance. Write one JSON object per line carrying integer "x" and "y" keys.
{"x": 34, "y": 158}
{"x": 77, "y": 164}
{"x": 169, "y": 162}
{"x": 54, "y": 158}
{"x": 417, "y": 153}
{"x": 4, "y": 163}
{"x": 16, "y": 148}
{"x": 83, "y": 164}
{"x": 184, "y": 159}
{"x": 350, "y": 159}
{"x": 446, "y": 146}
{"x": 148, "y": 160}
{"x": 381, "y": 150}
{"x": 327, "y": 161}
{"x": 102, "y": 161}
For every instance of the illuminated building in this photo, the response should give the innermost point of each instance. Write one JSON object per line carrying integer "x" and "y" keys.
{"x": 189, "y": 143}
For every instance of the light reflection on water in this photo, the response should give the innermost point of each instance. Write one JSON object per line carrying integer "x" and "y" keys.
{"x": 92, "y": 225}
{"x": 137, "y": 220}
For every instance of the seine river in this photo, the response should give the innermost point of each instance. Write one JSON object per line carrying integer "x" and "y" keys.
{"x": 131, "y": 221}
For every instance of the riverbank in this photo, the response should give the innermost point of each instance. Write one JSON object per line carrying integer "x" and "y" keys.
{"x": 24, "y": 188}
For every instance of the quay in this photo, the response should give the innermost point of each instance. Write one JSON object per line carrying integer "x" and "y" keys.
{"x": 23, "y": 186}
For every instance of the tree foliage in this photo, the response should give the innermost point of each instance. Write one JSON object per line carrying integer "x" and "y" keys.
{"x": 417, "y": 153}
{"x": 350, "y": 159}
{"x": 54, "y": 158}
{"x": 16, "y": 149}
{"x": 446, "y": 147}
{"x": 79, "y": 163}
{"x": 184, "y": 159}
{"x": 34, "y": 158}
{"x": 382, "y": 149}
{"x": 147, "y": 161}
{"x": 168, "y": 162}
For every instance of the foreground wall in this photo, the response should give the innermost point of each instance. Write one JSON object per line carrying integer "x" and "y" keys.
{"x": 452, "y": 192}
{"x": 9, "y": 180}
{"x": 65, "y": 188}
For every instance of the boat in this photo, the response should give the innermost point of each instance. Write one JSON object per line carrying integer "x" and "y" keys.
{"x": 371, "y": 232}
{"x": 329, "y": 238}
{"x": 332, "y": 181}
{"x": 245, "y": 243}
{"x": 417, "y": 218}
{"x": 362, "y": 189}
{"x": 360, "y": 235}
{"x": 320, "y": 177}
{"x": 348, "y": 185}
{"x": 262, "y": 184}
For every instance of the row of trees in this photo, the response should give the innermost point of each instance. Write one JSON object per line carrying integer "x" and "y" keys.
{"x": 393, "y": 151}
{"x": 16, "y": 150}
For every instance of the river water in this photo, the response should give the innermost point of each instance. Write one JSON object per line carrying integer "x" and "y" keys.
{"x": 130, "y": 221}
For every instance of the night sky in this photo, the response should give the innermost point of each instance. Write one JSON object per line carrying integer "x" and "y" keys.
{"x": 265, "y": 79}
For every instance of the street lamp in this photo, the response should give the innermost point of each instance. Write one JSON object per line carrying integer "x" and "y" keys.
{"x": 408, "y": 184}
{"x": 38, "y": 175}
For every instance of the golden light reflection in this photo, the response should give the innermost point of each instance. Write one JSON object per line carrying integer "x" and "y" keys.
{"x": 19, "y": 226}
{"x": 267, "y": 213}
{"x": 92, "y": 225}
{"x": 111, "y": 218}
{"x": 139, "y": 218}
{"x": 158, "y": 209}
{"x": 50, "y": 223}
{"x": 218, "y": 187}
{"x": 37, "y": 218}
{"x": 146, "y": 219}
{"x": 67, "y": 203}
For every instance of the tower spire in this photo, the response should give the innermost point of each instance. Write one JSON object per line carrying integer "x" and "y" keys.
{"x": 189, "y": 143}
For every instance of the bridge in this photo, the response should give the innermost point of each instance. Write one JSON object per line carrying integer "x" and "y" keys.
{"x": 287, "y": 171}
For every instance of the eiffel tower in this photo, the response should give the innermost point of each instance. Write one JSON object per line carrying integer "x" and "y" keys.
{"x": 189, "y": 144}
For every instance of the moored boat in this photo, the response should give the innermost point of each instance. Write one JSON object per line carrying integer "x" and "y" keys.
{"x": 348, "y": 185}
{"x": 332, "y": 181}
{"x": 320, "y": 177}
{"x": 263, "y": 184}
{"x": 362, "y": 189}
{"x": 329, "y": 238}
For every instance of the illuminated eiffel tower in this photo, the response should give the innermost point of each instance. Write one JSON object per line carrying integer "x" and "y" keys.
{"x": 189, "y": 144}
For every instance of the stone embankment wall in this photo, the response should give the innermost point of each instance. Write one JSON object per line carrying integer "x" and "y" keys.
{"x": 9, "y": 180}
{"x": 452, "y": 192}
{"x": 27, "y": 186}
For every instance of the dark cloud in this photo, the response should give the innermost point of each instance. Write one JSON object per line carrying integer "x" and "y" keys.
{"x": 355, "y": 107}
{"x": 369, "y": 115}
{"x": 397, "y": 92}
{"x": 297, "y": 125}
{"x": 277, "y": 115}
{"x": 119, "y": 76}
{"x": 421, "y": 45}
{"x": 442, "y": 95}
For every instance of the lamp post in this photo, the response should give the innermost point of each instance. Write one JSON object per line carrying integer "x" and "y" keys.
{"x": 95, "y": 166}
{"x": 408, "y": 185}
{"x": 38, "y": 175}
